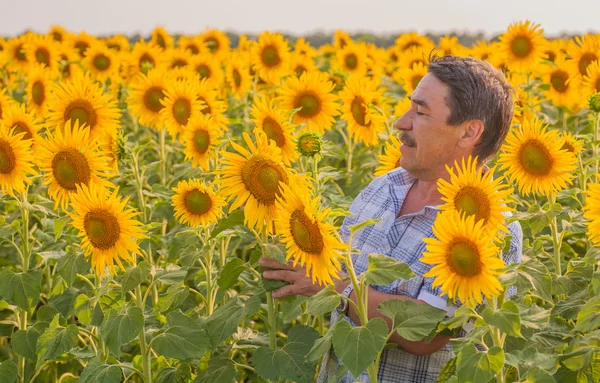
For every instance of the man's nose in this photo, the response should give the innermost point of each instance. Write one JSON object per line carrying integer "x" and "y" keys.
{"x": 404, "y": 122}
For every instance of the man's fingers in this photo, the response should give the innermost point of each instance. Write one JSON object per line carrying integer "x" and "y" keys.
{"x": 282, "y": 275}
{"x": 273, "y": 264}
{"x": 286, "y": 291}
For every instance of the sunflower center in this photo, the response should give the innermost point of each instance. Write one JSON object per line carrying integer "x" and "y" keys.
{"x": 82, "y": 47}
{"x": 310, "y": 104}
{"x": 197, "y": 202}
{"x": 102, "y": 228}
{"x": 42, "y": 56}
{"x": 193, "y": 48}
{"x": 551, "y": 56}
{"x": 115, "y": 47}
{"x": 37, "y": 93}
{"x": 359, "y": 112}
{"x": 201, "y": 141}
{"x": 81, "y": 111}
{"x": 598, "y": 85}
{"x": 261, "y": 176}
{"x": 463, "y": 258}
{"x": 473, "y": 201}
{"x": 558, "y": 79}
{"x": 585, "y": 61}
{"x": 146, "y": 61}
{"x": 19, "y": 54}
{"x": 203, "y": 70}
{"x": 101, "y": 62}
{"x": 179, "y": 63}
{"x": 213, "y": 44}
{"x": 535, "y": 158}
{"x": 411, "y": 45}
{"x": 57, "y": 36}
{"x": 7, "y": 158}
{"x": 416, "y": 80}
{"x": 70, "y": 168}
{"x": 160, "y": 41}
{"x": 206, "y": 109}
{"x": 22, "y": 127}
{"x": 182, "y": 110}
{"x": 567, "y": 146}
{"x": 521, "y": 46}
{"x": 152, "y": 98}
{"x": 270, "y": 56}
{"x": 299, "y": 70}
{"x": 273, "y": 131}
{"x": 351, "y": 61}
{"x": 306, "y": 233}
{"x": 237, "y": 78}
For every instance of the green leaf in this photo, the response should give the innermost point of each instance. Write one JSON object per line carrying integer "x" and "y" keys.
{"x": 289, "y": 362}
{"x": 588, "y": 318}
{"x": 59, "y": 226}
{"x": 220, "y": 370}
{"x": 182, "y": 339}
{"x": 413, "y": 321}
{"x": 21, "y": 289}
{"x": 55, "y": 341}
{"x": 24, "y": 342}
{"x": 119, "y": 329}
{"x": 224, "y": 322}
{"x": 578, "y": 359}
{"x": 234, "y": 219}
{"x": 171, "y": 375}
{"x": 48, "y": 255}
{"x": 83, "y": 309}
{"x": 320, "y": 348}
{"x": 537, "y": 375}
{"x": 448, "y": 371}
{"x": 384, "y": 270}
{"x": 70, "y": 265}
{"x": 135, "y": 276}
{"x": 275, "y": 252}
{"x": 96, "y": 372}
{"x": 174, "y": 297}
{"x": 507, "y": 318}
{"x": 8, "y": 371}
{"x": 354, "y": 228}
{"x": 357, "y": 347}
{"x": 324, "y": 302}
{"x": 174, "y": 276}
{"x": 230, "y": 273}
{"x": 474, "y": 366}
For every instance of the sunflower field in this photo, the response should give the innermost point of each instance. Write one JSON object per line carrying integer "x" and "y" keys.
{"x": 142, "y": 181}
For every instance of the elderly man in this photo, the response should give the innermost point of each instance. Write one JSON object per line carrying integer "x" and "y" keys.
{"x": 462, "y": 107}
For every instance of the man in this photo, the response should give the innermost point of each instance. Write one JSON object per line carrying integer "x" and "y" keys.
{"x": 462, "y": 107}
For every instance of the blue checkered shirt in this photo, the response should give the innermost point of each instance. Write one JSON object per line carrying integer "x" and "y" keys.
{"x": 402, "y": 239}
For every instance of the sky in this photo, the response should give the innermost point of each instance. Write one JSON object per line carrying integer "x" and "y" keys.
{"x": 102, "y": 17}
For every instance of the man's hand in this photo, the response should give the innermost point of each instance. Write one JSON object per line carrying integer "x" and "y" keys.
{"x": 300, "y": 283}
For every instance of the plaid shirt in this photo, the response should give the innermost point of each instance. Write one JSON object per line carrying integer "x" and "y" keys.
{"x": 402, "y": 239}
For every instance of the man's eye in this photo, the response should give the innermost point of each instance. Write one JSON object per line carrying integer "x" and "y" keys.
{"x": 420, "y": 113}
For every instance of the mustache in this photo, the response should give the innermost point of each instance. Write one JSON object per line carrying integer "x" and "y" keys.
{"x": 407, "y": 139}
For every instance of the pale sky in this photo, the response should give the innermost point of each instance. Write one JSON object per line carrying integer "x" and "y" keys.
{"x": 102, "y": 17}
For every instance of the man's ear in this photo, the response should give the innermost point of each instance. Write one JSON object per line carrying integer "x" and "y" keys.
{"x": 472, "y": 131}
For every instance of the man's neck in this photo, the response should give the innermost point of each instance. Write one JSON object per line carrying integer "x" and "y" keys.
{"x": 421, "y": 194}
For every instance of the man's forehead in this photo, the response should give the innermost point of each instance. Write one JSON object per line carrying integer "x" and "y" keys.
{"x": 430, "y": 91}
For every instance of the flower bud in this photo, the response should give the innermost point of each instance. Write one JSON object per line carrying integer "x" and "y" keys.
{"x": 309, "y": 144}
{"x": 594, "y": 102}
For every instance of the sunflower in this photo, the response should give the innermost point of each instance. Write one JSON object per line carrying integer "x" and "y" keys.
{"x": 58, "y": 33}
{"x": 407, "y": 41}
{"x": 82, "y": 100}
{"x": 192, "y": 44}
{"x": 102, "y": 62}
{"x": 390, "y": 159}
{"x": 209, "y": 68}
{"x": 143, "y": 57}
{"x": 481, "y": 50}
{"x": 42, "y": 50}
{"x": 311, "y": 94}
{"x": 181, "y": 103}
{"x": 114, "y": 148}
{"x": 402, "y": 106}
{"x": 253, "y": 177}
{"x": 107, "y": 228}
{"x": 465, "y": 261}
{"x": 212, "y": 104}
{"x": 15, "y": 53}
{"x": 238, "y": 76}
{"x": 473, "y": 192}
{"x": 161, "y": 38}
{"x": 582, "y": 53}
{"x": 412, "y": 57}
{"x": 71, "y": 157}
{"x": 303, "y": 48}
{"x": 273, "y": 121}
{"x": 39, "y": 83}
{"x": 449, "y": 45}
{"x": 564, "y": 88}
{"x": 556, "y": 48}
{"x": 81, "y": 42}
{"x": 244, "y": 44}
{"x": 69, "y": 63}
{"x": 15, "y": 161}
{"x": 144, "y": 97}
{"x": 179, "y": 58}
{"x": 196, "y": 204}
{"x": 5, "y": 101}
{"x": 526, "y": 105}
{"x": 15, "y": 116}
{"x": 200, "y": 137}
{"x": 341, "y": 39}
{"x": 591, "y": 211}
{"x": 523, "y": 46}
{"x": 118, "y": 43}
{"x": 300, "y": 64}
{"x": 352, "y": 59}
{"x": 410, "y": 78}
{"x": 571, "y": 144}
{"x": 217, "y": 43}
{"x": 185, "y": 73}
{"x": 308, "y": 238}
{"x": 591, "y": 81}
{"x": 271, "y": 57}
{"x": 364, "y": 121}
{"x": 532, "y": 156}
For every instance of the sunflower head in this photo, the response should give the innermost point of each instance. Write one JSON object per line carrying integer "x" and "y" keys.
{"x": 309, "y": 144}
{"x": 594, "y": 102}
{"x": 15, "y": 161}
{"x": 196, "y": 204}
{"x": 391, "y": 157}
{"x": 200, "y": 137}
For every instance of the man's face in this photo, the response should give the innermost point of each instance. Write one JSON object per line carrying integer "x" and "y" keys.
{"x": 428, "y": 142}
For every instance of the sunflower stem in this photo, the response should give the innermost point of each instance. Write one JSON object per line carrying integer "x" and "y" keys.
{"x": 271, "y": 304}
{"x": 163, "y": 157}
{"x": 25, "y": 265}
{"x": 498, "y": 340}
{"x": 144, "y": 348}
{"x": 556, "y": 241}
